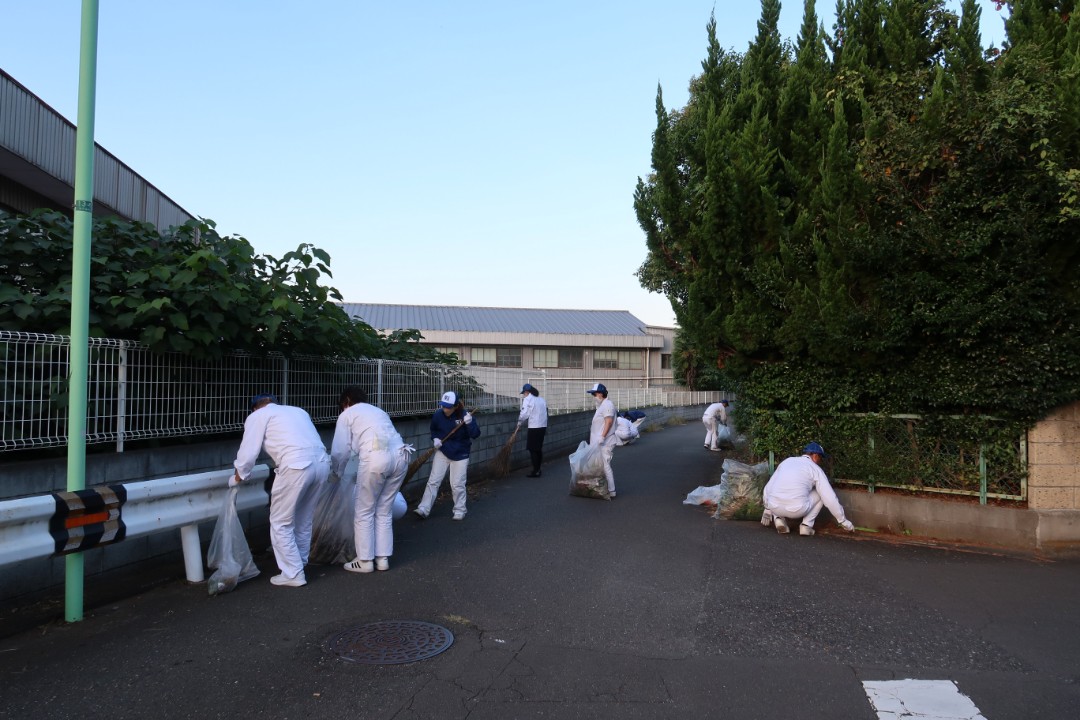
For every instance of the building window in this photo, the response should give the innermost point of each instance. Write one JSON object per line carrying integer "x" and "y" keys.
{"x": 508, "y": 357}
{"x": 605, "y": 360}
{"x": 485, "y": 357}
{"x": 617, "y": 360}
{"x": 665, "y": 361}
{"x": 455, "y": 351}
{"x": 545, "y": 358}
{"x": 573, "y": 359}
{"x": 630, "y": 360}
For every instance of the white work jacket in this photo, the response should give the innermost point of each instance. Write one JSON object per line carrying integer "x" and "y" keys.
{"x": 788, "y": 490}
{"x": 533, "y": 409}
{"x": 365, "y": 430}
{"x": 287, "y": 435}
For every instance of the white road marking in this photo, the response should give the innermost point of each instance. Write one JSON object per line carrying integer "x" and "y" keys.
{"x": 919, "y": 700}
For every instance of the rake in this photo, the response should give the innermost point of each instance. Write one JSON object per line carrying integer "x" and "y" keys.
{"x": 418, "y": 463}
{"x": 500, "y": 466}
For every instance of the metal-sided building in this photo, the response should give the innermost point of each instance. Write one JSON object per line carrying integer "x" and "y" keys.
{"x": 37, "y": 166}
{"x": 608, "y": 346}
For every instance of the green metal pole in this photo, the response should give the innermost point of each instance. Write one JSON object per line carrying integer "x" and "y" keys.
{"x": 80, "y": 291}
{"x": 982, "y": 474}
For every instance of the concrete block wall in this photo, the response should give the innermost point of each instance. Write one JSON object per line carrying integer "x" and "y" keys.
{"x": 1054, "y": 461}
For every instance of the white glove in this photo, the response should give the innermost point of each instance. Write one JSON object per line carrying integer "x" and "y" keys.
{"x": 467, "y": 418}
{"x": 437, "y": 443}
{"x": 234, "y": 480}
{"x": 847, "y": 526}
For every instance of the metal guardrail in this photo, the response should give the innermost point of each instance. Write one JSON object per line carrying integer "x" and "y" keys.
{"x": 152, "y": 506}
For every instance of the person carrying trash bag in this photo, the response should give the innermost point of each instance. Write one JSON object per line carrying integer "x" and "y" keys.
{"x": 288, "y": 436}
{"x": 383, "y": 460}
{"x": 798, "y": 489}
{"x": 602, "y": 430}
{"x": 452, "y": 453}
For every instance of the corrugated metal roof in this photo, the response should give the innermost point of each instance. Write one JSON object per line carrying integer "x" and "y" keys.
{"x": 489, "y": 319}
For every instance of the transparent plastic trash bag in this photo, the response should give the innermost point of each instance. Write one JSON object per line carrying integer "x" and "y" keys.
{"x": 745, "y": 484}
{"x": 587, "y": 472}
{"x": 229, "y": 552}
{"x": 332, "y": 532}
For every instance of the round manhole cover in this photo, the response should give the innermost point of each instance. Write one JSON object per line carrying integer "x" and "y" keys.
{"x": 391, "y": 642}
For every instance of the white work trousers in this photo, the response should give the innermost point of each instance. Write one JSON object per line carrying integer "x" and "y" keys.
{"x": 808, "y": 511}
{"x": 378, "y": 479}
{"x": 607, "y": 450}
{"x": 710, "y": 434}
{"x": 292, "y": 509}
{"x": 439, "y": 465}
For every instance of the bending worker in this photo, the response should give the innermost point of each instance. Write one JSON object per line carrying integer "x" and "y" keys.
{"x": 799, "y": 489}
{"x": 288, "y": 436}
{"x": 384, "y": 459}
{"x": 715, "y": 416}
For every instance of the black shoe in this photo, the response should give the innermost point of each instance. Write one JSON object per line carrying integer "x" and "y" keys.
{"x": 534, "y": 473}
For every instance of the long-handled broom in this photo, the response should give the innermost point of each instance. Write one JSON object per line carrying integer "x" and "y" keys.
{"x": 500, "y": 466}
{"x": 418, "y": 463}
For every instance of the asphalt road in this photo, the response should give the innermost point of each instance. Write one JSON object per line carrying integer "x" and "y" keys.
{"x": 565, "y": 607}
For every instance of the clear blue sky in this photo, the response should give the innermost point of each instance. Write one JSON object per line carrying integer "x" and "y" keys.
{"x": 469, "y": 153}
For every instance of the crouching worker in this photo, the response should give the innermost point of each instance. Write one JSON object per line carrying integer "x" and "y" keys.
{"x": 798, "y": 490}
{"x": 383, "y": 462}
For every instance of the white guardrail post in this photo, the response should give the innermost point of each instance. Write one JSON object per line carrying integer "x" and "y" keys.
{"x": 152, "y": 506}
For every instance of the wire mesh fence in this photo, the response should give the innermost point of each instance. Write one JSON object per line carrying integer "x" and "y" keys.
{"x": 134, "y": 394}
{"x": 962, "y": 455}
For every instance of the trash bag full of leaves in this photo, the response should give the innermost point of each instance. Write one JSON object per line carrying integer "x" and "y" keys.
{"x": 587, "y": 472}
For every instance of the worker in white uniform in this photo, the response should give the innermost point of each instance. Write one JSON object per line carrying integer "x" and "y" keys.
{"x": 602, "y": 430}
{"x": 714, "y": 417}
{"x": 798, "y": 490}
{"x": 534, "y": 415}
{"x": 383, "y": 460}
{"x": 626, "y": 432}
{"x": 301, "y": 464}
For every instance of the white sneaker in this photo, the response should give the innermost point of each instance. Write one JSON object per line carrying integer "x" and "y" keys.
{"x": 459, "y": 516}
{"x": 806, "y": 530}
{"x": 781, "y": 525}
{"x": 612, "y": 493}
{"x": 281, "y": 580}
{"x": 382, "y": 563}
{"x": 766, "y": 518}
{"x": 360, "y": 566}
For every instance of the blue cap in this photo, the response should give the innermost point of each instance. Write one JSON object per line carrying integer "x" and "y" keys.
{"x": 814, "y": 449}
{"x": 526, "y": 388}
{"x": 597, "y": 388}
{"x": 449, "y": 399}
{"x": 259, "y": 398}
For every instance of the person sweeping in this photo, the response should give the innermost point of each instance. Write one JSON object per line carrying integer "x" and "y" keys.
{"x": 452, "y": 453}
{"x": 534, "y": 416}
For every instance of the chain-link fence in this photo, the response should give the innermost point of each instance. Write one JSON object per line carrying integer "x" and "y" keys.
{"x": 134, "y": 394}
{"x": 963, "y": 455}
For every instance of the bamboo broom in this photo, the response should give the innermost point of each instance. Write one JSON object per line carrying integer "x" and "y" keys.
{"x": 500, "y": 466}
{"x": 418, "y": 463}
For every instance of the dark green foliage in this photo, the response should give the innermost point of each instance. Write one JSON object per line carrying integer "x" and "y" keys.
{"x": 890, "y": 227}
{"x": 189, "y": 291}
